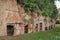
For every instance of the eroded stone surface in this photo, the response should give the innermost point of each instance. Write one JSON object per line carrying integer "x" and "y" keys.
{"x": 12, "y": 13}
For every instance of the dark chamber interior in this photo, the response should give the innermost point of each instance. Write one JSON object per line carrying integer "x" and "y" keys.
{"x": 40, "y": 26}
{"x": 36, "y": 27}
{"x": 26, "y": 29}
{"x": 10, "y": 30}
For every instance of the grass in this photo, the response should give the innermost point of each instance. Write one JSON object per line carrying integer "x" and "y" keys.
{"x": 53, "y": 34}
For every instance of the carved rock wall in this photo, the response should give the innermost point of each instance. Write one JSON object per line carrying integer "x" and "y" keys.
{"x": 8, "y": 14}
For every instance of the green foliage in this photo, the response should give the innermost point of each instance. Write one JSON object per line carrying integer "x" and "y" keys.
{"x": 54, "y": 15}
{"x": 57, "y": 21}
{"x": 46, "y": 7}
{"x": 31, "y": 21}
{"x": 29, "y": 5}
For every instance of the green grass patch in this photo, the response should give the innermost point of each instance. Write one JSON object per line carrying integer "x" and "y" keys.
{"x": 53, "y": 34}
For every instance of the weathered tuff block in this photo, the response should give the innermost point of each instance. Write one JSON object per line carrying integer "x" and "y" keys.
{"x": 8, "y": 15}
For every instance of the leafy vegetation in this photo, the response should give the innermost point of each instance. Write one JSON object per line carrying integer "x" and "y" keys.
{"x": 45, "y": 7}
{"x": 58, "y": 19}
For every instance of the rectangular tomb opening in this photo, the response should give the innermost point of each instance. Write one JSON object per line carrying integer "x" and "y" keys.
{"x": 10, "y": 30}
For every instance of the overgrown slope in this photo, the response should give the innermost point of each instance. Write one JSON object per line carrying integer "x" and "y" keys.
{"x": 45, "y": 7}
